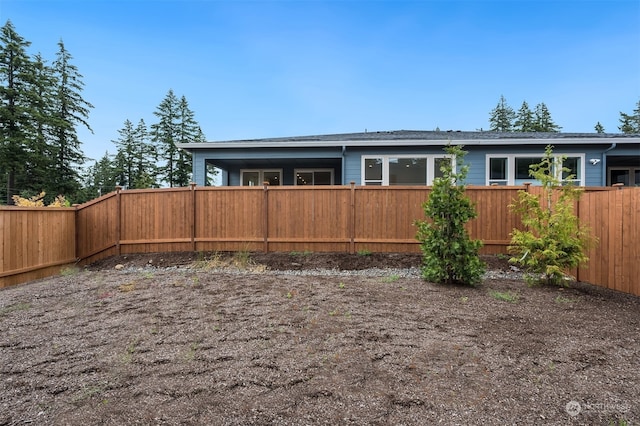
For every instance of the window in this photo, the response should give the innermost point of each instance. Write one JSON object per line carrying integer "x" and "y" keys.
{"x": 257, "y": 177}
{"x": 498, "y": 173}
{"x": 314, "y": 176}
{"x": 523, "y": 165}
{"x": 628, "y": 176}
{"x": 512, "y": 169}
{"x": 401, "y": 169}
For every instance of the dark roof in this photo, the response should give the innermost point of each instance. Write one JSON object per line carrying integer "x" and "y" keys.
{"x": 435, "y": 135}
{"x": 418, "y": 137}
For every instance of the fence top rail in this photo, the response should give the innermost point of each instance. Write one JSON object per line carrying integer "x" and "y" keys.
{"x": 96, "y": 200}
{"x": 31, "y": 209}
{"x": 154, "y": 190}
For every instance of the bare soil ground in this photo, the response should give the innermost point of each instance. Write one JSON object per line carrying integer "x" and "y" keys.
{"x": 176, "y": 339}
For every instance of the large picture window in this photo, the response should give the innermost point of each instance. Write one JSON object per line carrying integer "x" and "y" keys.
{"x": 513, "y": 169}
{"x": 257, "y": 177}
{"x": 401, "y": 169}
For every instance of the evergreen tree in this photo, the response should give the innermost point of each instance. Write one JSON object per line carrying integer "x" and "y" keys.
{"x": 599, "y": 128}
{"x": 102, "y": 178}
{"x": 70, "y": 110}
{"x": 630, "y": 123}
{"x": 136, "y": 156}
{"x": 146, "y": 158}
{"x": 553, "y": 240}
{"x": 164, "y": 134}
{"x": 543, "y": 121}
{"x": 16, "y": 107}
{"x": 40, "y": 160}
{"x": 449, "y": 255}
{"x": 126, "y": 150}
{"x": 501, "y": 117}
{"x": 177, "y": 125}
{"x": 524, "y": 119}
{"x": 189, "y": 132}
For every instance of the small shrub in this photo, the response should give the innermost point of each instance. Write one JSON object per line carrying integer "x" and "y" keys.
{"x": 553, "y": 240}
{"x": 38, "y": 201}
{"x": 449, "y": 255}
{"x": 364, "y": 252}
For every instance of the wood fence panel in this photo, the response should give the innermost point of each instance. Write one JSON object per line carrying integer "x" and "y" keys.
{"x": 229, "y": 219}
{"x": 494, "y": 222}
{"x": 385, "y": 216}
{"x": 612, "y": 217}
{"x": 309, "y": 218}
{"x": 96, "y": 229}
{"x": 155, "y": 220}
{"x": 36, "y": 242}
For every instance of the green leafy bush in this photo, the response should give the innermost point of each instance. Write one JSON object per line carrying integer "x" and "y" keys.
{"x": 552, "y": 241}
{"x": 449, "y": 255}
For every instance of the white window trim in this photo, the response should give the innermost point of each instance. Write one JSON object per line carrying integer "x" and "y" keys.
{"x": 296, "y": 171}
{"x": 385, "y": 165}
{"x": 261, "y": 174}
{"x": 511, "y": 166}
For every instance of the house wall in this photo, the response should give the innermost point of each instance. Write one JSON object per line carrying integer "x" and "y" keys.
{"x": 233, "y": 160}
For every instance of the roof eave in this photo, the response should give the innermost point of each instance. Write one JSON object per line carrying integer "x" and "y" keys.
{"x": 405, "y": 142}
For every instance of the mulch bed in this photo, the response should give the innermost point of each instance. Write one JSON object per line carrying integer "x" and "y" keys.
{"x": 170, "y": 339}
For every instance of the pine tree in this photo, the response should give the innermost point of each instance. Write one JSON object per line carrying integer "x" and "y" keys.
{"x": 543, "y": 121}
{"x": 599, "y": 128}
{"x": 125, "y": 145}
{"x": 40, "y": 161}
{"x": 102, "y": 178}
{"x": 145, "y": 159}
{"x": 501, "y": 117}
{"x": 189, "y": 132}
{"x": 177, "y": 125}
{"x": 16, "y": 107}
{"x": 630, "y": 123}
{"x": 524, "y": 119}
{"x": 164, "y": 135}
{"x": 70, "y": 110}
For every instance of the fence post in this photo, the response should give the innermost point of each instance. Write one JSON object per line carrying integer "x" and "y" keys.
{"x": 118, "y": 218}
{"x": 265, "y": 217}
{"x": 192, "y": 185}
{"x": 352, "y": 219}
{"x": 76, "y": 251}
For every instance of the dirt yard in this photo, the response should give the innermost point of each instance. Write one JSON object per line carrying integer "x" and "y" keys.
{"x": 172, "y": 339}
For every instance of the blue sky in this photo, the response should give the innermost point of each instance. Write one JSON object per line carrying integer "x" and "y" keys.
{"x": 256, "y": 69}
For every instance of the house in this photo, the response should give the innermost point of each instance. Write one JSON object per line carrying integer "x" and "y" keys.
{"x": 406, "y": 157}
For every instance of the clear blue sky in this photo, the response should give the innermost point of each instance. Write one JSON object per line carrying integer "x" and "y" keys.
{"x": 256, "y": 69}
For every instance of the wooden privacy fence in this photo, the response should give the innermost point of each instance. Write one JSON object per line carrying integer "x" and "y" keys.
{"x": 279, "y": 218}
{"x": 290, "y": 218}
